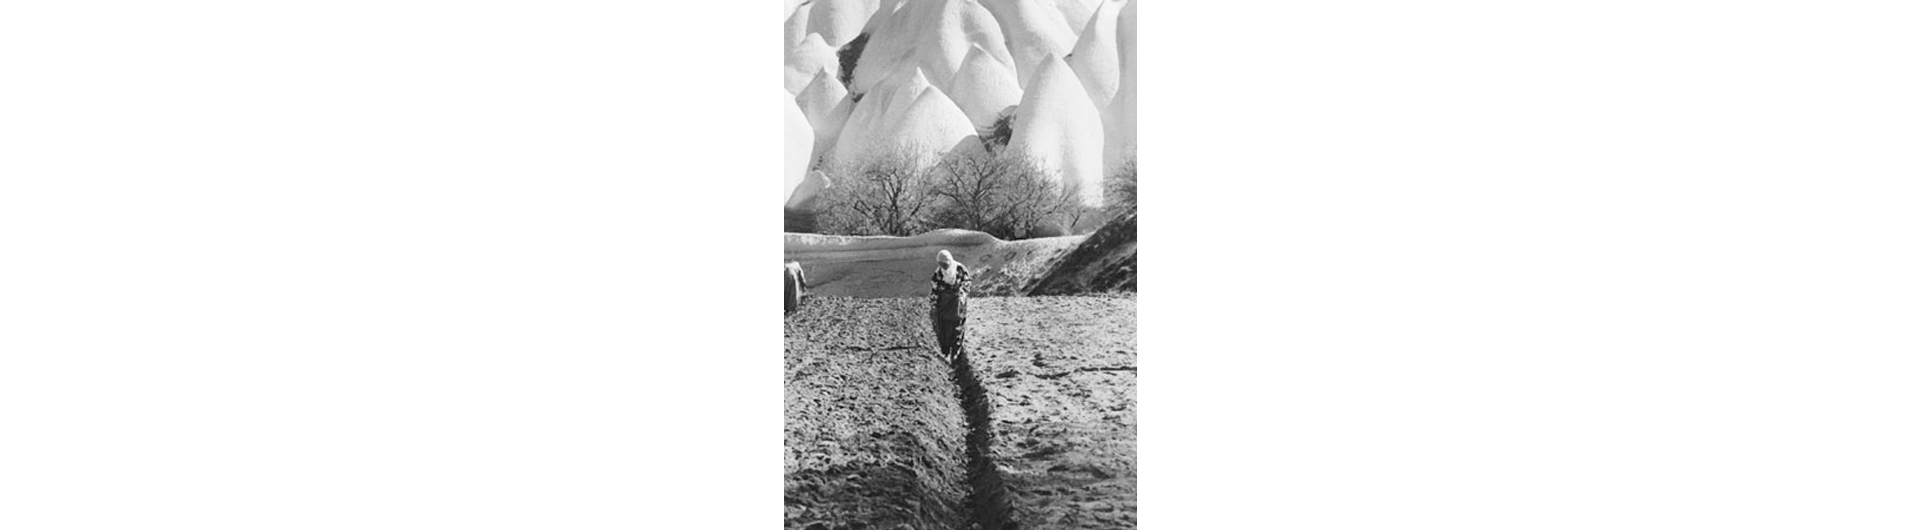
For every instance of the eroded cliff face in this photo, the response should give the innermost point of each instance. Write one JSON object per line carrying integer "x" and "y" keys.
{"x": 929, "y": 75}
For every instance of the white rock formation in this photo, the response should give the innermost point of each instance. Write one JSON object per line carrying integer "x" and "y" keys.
{"x": 839, "y": 21}
{"x": 799, "y": 146}
{"x": 797, "y": 26}
{"x": 933, "y": 35}
{"x": 881, "y": 14}
{"x": 1096, "y": 58}
{"x": 903, "y": 116}
{"x": 809, "y": 58}
{"x": 984, "y": 88}
{"x": 1034, "y": 30}
{"x": 805, "y": 197}
{"x": 1121, "y": 116}
{"x": 826, "y": 106}
{"x": 1059, "y": 128}
{"x": 1077, "y": 12}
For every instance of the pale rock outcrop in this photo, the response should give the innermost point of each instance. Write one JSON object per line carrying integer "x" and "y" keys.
{"x": 796, "y": 25}
{"x": 1077, "y": 13}
{"x": 805, "y": 197}
{"x": 826, "y": 106}
{"x": 839, "y": 21}
{"x": 1034, "y": 30}
{"x": 1121, "y": 116}
{"x": 799, "y": 146}
{"x": 1096, "y": 58}
{"x": 984, "y": 88}
{"x": 903, "y": 116}
{"x": 808, "y": 59}
{"x": 933, "y": 35}
{"x": 881, "y": 15}
{"x": 1058, "y": 128}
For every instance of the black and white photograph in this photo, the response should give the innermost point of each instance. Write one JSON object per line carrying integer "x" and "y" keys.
{"x": 441, "y": 264}
{"x": 961, "y": 266}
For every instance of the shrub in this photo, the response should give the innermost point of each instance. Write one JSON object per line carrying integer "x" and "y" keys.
{"x": 887, "y": 195}
{"x": 999, "y": 134}
{"x": 1122, "y": 188}
{"x": 999, "y": 193}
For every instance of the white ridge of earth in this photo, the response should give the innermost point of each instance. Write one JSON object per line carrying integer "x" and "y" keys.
{"x": 887, "y": 266}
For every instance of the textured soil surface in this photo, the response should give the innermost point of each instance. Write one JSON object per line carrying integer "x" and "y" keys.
{"x": 875, "y": 437}
{"x": 1060, "y": 374}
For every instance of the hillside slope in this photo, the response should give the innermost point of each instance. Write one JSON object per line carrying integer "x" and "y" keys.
{"x": 1106, "y": 262}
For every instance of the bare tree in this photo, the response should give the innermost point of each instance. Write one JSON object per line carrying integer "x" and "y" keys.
{"x": 1123, "y": 188}
{"x": 1001, "y": 194}
{"x": 886, "y": 196}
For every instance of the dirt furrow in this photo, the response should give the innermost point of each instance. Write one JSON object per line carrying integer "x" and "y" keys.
{"x": 875, "y": 437}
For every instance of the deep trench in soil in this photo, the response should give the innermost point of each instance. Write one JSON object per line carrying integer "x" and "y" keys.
{"x": 988, "y": 498}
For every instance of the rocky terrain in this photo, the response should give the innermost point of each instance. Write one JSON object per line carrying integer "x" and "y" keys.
{"x": 875, "y": 437}
{"x": 1033, "y": 428}
{"x": 871, "y": 78}
{"x": 1060, "y": 373}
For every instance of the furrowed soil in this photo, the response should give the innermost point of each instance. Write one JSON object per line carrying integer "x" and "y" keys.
{"x": 1060, "y": 374}
{"x": 875, "y": 437}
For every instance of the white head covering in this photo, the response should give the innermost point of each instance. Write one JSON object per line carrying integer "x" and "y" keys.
{"x": 949, "y": 269}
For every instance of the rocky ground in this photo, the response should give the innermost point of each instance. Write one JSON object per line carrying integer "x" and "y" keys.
{"x": 1060, "y": 373}
{"x": 874, "y": 435}
{"x": 1035, "y": 429}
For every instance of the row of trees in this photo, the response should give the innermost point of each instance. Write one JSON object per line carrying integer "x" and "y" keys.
{"x": 998, "y": 193}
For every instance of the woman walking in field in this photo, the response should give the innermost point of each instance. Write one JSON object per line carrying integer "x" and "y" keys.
{"x": 950, "y": 283}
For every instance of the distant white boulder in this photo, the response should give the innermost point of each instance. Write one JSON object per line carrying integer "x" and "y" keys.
{"x": 1060, "y": 129}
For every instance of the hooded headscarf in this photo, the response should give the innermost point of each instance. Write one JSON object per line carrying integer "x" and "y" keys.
{"x": 949, "y": 269}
